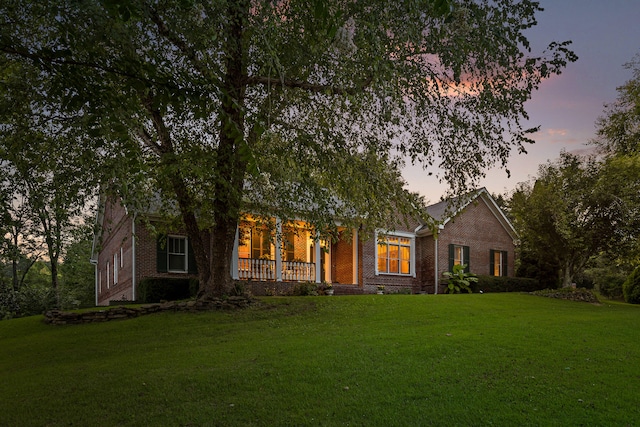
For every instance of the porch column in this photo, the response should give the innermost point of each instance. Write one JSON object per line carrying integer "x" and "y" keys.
{"x": 354, "y": 242}
{"x": 278, "y": 250}
{"x": 234, "y": 255}
{"x": 318, "y": 260}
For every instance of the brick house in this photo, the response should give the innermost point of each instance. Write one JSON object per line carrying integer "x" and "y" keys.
{"x": 477, "y": 234}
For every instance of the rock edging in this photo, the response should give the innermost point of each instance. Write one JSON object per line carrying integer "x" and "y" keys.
{"x": 58, "y": 317}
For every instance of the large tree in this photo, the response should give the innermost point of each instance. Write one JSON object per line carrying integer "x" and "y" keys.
{"x": 576, "y": 208}
{"x": 618, "y": 141}
{"x": 288, "y": 108}
{"x": 47, "y": 162}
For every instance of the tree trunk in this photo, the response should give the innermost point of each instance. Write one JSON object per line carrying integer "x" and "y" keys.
{"x": 567, "y": 274}
{"x": 231, "y": 165}
{"x": 54, "y": 281}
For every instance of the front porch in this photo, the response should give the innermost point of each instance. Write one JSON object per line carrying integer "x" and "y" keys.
{"x": 293, "y": 253}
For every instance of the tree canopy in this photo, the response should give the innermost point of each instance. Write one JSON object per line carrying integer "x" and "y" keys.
{"x": 289, "y": 108}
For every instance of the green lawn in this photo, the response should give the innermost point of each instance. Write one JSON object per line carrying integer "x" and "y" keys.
{"x": 387, "y": 360}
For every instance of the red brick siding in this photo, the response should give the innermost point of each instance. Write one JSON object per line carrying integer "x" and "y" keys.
{"x": 479, "y": 229}
{"x": 342, "y": 260}
{"x": 392, "y": 283}
{"x": 116, "y": 236}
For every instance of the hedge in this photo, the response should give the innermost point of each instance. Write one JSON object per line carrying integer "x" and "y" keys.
{"x": 506, "y": 284}
{"x": 154, "y": 290}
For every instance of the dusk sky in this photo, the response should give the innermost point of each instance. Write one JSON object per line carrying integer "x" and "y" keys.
{"x": 605, "y": 36}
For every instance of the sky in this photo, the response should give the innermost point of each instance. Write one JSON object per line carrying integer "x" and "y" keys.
{"x": 605, "y": 36}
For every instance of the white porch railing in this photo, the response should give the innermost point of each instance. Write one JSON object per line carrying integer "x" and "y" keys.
{"x": 264, "y": 269}
{"x": 294, "y": 271}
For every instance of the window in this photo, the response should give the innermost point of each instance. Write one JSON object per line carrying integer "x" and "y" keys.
{"x": 459, "y": 255}
{"x": 177, "y": 253}
{"x": 497, "y": 263}
{"x": 288, "y": 246}
{"x": 115, "y": 268}
{"x": 108, "y": 274}
{"x": 174, "y": 255}
{"x": 260, "y": 244}
{"x": 244, "y": 243}
{"x": 394, "y": 255}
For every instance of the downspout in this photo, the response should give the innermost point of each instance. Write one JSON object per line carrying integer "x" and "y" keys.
{"x": 133, "y": 259}
{"x": 435, "y": 241}
{"x": 95, "y": 279}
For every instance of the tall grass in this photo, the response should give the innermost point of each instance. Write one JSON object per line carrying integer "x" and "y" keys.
{"x": 491, "y": 359}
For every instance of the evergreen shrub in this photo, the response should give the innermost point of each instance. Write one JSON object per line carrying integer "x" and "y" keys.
{"x": 506, "y": 284}
{"x": 157, "y": 289}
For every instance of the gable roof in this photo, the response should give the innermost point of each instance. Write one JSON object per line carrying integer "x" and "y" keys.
{"x": 443, "y": 212}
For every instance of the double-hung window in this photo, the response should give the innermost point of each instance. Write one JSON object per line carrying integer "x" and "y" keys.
{"x": 459, "y": 255}
{"x": 498, "y": 263}
{"x": 395, "y": 255}
{"x": 177, "y": 254}
{"x": 174, "y": 255}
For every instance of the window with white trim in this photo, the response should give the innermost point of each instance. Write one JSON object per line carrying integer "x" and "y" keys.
{"x": 177, "y": 254}
{"x": 394, "y": 255}
{"x": 116, "y": 266}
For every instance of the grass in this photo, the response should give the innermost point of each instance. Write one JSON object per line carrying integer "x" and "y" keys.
{"x": 392, "y": 360}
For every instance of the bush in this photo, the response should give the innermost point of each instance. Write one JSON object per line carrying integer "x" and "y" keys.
{"x": 458, "y": 280}
{"x": 8, "y": 303}
{"x": 506, "y": 284}
{"x": 305, "y": 289}
{"x": 35, "y": 299}
{"x": 158, "y": 289}
{"x": 610, "y": 285}
{"x": 571, "y": 294}
{"x": 631, "y": 287}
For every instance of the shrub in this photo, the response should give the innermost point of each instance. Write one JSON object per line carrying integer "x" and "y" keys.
{"x": 506, "y": 284}
{"x": 305, "y": 289}
{"x": 8, "y": 303}
{"x": 158, "y": 289}
{"x": 631, "y": 287}
{"x": 458, "y": 280}
{"x": 610, "y": 285}
{"x": 35, "y": 299}
{"x": 572, "y": 294}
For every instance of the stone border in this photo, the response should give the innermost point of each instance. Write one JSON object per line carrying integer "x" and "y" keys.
{"x": 57, "y": 317}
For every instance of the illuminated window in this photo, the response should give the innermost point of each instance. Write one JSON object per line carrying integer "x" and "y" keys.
{"x": 260, "y": 244}
{"x": 498, "y": 263}
{"x": 394, "y": 255}
{"x": 459, "y": 255}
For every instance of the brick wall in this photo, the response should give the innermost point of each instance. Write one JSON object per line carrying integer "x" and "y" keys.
{"x": 479, "y": 229}
{"x": 116, "y": 240}
{"x": 342, "y": 260}
{"x": 146, "y": 255}
{"x": 392, "y": 282}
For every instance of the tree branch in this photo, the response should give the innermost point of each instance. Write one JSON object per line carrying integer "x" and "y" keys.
{"x": 311, "y": 87}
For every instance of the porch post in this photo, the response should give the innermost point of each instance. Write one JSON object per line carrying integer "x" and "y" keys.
{"x": 354, "y": 242}
{"x": 278, "y": 250}
{"x": 318, "y": 260}
{"x": 234, "y": 255}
